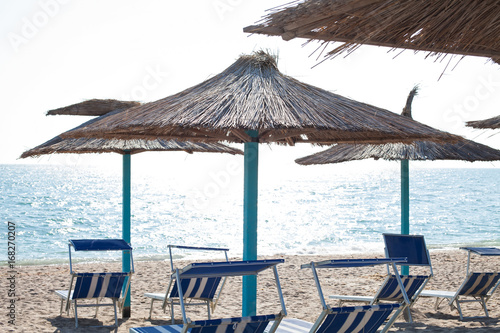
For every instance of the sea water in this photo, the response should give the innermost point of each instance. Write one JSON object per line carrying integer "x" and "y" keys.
{"x": 311, "y": 214}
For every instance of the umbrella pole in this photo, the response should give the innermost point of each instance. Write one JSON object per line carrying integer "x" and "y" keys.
{"x": 251, "y": 167}
{"x": 405, "y": 204}
{"x": 126, "y": 226}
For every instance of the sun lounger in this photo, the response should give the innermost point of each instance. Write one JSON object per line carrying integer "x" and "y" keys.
{"x": 367, "y": 318}
{"x": 196, "y": 291}
{"x": 253, "y": 324}
{"x": 477, "y": 286}
{"x": 96, "y": 286}
{"x": 411, "y": 247}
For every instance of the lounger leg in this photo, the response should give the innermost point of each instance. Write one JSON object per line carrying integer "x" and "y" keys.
{"x": 151, "y": 308}
{"x": 407, "y": 315}
{"x": 459, "y": 309}
{"x": 208, "y": 308}
{"x": 116, "y": 316}
{"x": 68, "y": 306}
{"x": 436, "y": 305}
{"x": 97, "y": 307}
{"x": 483, "y": 304}
{"x": 76, "y": 314}
{"x": 62, "y": 302}
{"x": 172, "y": 311}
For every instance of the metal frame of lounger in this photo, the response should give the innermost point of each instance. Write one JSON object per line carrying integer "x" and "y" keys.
{"x": 198, "y": 288}
{"x": 479, "y": 286}
{"x": 254, "y": 324}
{"x": 413, "y": 248}
{"x": 347, "y": 319}
{"x": 97, "y": 285}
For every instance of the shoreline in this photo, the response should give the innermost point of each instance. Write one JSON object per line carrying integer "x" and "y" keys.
{"x": 194, "y": 257}
{"x": 37, "y": 306}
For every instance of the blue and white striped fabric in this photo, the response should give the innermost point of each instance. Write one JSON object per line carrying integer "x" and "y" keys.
{"x": 391, "y": 291}
{"x": 98, "y": 285}
{"x": 253, "y": 324}
{"x": 199, "y": 288}
{"x": 479, "y": 284}
{"x": 366, "y": 319}
{"x": 292, "y": 325}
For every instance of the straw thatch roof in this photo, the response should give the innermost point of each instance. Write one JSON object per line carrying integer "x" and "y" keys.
{"x": 465, "y": 27}
{"x": 252, "y": 94}
{"x": 59, "y": 145}
{"x": 487, "y": 123}
{"x": 466, "y": 150}
{"x": 421, "y": 150}
{"x": 132, "y": 146}
{"x": 93, "y": 107}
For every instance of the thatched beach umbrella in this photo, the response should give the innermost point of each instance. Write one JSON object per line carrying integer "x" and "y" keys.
{"x": 251, "y": 102}
{"x": 465, "y": 27}
{"x": 493, "y": 123}
{"x": 105, "y": 108}
{"x": 466, "y": 150}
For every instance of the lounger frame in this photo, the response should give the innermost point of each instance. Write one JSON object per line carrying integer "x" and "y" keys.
{"x": 414, "y": 249}
{"x": 478, "y": 285}
{"x": 328, "y": 310}
{"x": 171, "y": 298}
{"x": 229, "y": 325}
{"x": 112, "y": 285}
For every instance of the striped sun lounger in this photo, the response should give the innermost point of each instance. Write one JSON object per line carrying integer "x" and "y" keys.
{"x": 363, "y": 319}
{"x": 477, "y": 287}
{"x": 411, "y": 247}
{"x": 96, "y": 286}
{"x": 196, "y": 291}
{"x": 367, "y": 318}
{"x": 254, "y": 324}
{"x": 211, "y": 270}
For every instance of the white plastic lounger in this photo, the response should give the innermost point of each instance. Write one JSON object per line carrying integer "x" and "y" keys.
{"x": 88, "y": 286}
{"x": 411, "y": 247}
{"x": 196, "y": 291}
{"x": 253, "y": 324}
{"x": 477, "y": 287}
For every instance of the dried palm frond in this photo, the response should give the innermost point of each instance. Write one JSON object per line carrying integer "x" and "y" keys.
{"x": 463, "y": 27}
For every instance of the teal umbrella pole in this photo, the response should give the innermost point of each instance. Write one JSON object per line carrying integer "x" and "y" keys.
{"x": 126, "y": 225}
{"x": 405, "y": 204}
{"x": 251, "y": 176}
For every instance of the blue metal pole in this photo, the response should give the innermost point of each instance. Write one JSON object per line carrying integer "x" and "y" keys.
{"x": 126, "y": 226}
{"x": 251, "y": 173}
{"x": 405, "y": 204}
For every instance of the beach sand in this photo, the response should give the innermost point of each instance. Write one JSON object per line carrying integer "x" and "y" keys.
{"x": 37, "y": 307}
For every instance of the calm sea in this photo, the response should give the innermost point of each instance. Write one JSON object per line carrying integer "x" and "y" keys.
{"x": 310, "y": 214}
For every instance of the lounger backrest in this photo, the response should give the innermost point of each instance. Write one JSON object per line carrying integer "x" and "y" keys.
{"x": 392, "y": 292}
{"x": 200, "y": 288}
{"x": 253, "y": 324}
{"x": 97, "y": 285}
{"x": 479, "y": 284}
{"x": 366, "y": 319}
{"x": 411, "y": 247}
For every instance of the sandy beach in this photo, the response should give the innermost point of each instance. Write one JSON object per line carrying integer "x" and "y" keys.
{"x": 37, "y": 307}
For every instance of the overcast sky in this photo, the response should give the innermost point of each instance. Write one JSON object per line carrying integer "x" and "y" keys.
{"x": 56, "y": 53}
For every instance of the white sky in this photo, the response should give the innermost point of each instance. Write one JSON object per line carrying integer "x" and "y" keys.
{"x": 56, "y": 53}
